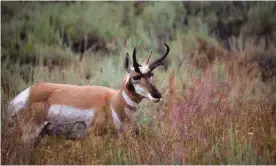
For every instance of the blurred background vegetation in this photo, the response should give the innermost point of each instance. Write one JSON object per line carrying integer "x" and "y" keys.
{"x": 221, "y": 52}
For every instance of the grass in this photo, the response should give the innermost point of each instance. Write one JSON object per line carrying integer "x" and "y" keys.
{"x": 216, "y": 108}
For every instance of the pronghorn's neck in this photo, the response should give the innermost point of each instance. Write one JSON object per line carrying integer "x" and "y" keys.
{"x": 125, "y": 102}
{"x": 130, "y": 98}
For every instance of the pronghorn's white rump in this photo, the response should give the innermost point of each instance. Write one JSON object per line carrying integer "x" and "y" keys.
{"x": 17, "y": 104}
{"x": 20, "y": 100}
{"x": 51, "y": 108}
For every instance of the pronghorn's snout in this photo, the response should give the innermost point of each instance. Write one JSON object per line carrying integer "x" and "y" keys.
{"x": 156, "y": 95}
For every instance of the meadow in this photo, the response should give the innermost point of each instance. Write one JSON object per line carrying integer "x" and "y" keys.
{"x": 218, "y": 83}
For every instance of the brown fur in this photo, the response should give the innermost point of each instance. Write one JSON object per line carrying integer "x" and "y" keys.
{"x": 43, "y": 95}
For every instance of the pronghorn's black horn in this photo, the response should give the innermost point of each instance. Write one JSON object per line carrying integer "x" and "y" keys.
{"x": 135, "y": 64}
{"x": 158, "y": 62}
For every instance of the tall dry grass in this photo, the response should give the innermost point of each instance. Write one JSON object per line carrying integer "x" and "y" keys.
{"x": 219, "y": 118}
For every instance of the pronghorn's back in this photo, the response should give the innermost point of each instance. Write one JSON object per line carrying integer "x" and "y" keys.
{"x": 59, "y": 94}
{"x": 71, "y": 95}
{"x": 41, "y": 91}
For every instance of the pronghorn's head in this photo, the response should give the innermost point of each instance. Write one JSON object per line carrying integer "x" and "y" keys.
{"x": 139, "y": 79}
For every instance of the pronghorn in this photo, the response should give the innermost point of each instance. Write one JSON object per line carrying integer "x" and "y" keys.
{"x": 62, "y": 108}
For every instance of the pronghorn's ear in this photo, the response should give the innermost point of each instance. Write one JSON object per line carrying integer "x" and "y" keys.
{"x": 146, "y": 62}
{"x": 127, "y": 63}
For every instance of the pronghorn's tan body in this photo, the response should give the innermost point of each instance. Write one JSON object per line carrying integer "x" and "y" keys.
{"x": 75, "y": 110}
{"x": 60, "y": 104}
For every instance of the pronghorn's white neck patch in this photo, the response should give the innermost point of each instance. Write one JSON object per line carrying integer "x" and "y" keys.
{"x": 116, "y": 119}
{"x": 128, "y": 100}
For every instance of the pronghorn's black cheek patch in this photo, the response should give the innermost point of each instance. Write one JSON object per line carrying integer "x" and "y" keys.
{"x": 130, "y": 86}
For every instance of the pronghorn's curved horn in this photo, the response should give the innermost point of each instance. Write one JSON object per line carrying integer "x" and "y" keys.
{"x": 127, "y": 63}
{"x": 159, "y": 60}
{"x": 135, "y": 63}
{"x": 146, "y": 62}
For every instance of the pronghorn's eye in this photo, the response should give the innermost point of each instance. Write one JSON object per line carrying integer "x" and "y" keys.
{"x": 149, "y": 75}
{"x": 138, "y": 77}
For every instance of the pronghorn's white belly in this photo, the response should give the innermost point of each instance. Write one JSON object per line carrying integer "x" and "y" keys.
{"x": 62, "y": 118}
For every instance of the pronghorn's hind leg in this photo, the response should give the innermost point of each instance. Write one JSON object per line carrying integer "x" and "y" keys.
{"x": 32, "y": 134}
{"x": 32, "y": 121}
{"x": 43, "y": 132}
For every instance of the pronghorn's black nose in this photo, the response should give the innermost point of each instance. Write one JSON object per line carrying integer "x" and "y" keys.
{"x": 156, "y": 95}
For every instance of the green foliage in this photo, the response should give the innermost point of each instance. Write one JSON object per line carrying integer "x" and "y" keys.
{"x": 261, "y": 19}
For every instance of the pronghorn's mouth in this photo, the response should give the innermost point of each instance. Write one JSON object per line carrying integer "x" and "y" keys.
{"x": 156, "y": 100}
{"x": 151, "y": 98}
